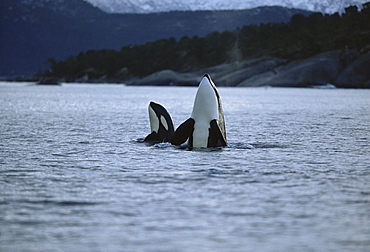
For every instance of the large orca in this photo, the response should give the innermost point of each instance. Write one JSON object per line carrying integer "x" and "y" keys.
{"x": 161, "y": 124}
{"x": 206, "y": 126}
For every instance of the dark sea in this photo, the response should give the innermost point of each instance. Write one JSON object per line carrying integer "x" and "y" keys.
{"x": 76, "y": 175}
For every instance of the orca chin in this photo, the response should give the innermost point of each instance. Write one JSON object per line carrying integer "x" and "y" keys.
{"x": 161, "y": 124}
{"x": 206, "y": 126}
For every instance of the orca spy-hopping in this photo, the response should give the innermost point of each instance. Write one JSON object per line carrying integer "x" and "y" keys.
{"x": 206, "y": 126}
{"x": 161, "y": 124}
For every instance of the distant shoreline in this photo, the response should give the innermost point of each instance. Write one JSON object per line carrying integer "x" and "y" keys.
{"x": 340, "y": 68}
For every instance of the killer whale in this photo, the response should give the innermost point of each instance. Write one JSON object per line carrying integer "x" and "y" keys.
{"x": 206, "y": 126}
{"x": 161, "y": 124}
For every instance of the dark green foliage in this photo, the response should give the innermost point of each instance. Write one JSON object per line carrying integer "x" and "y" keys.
{"x": 302, "y": 37}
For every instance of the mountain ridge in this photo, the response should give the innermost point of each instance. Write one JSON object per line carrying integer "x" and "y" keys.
{"x": 32, "y": 31}
{"x": 149, "y": 6}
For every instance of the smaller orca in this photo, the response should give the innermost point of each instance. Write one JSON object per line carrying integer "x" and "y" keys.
{"x": 206, "y": 126}
{"x": 161, "y": 124}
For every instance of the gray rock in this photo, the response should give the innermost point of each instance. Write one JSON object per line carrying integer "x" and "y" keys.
{"x": 356, "y": 74}
{"x": 318, "y": 70}
{"x": 224, "y": 75}
{"x": 247, "y": 70}
{"x": 341, "y": 68}
{"x": 168, "y": 78}
{"x": 82, "y": 79}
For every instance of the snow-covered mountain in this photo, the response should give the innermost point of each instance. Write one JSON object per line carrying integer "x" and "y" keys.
{"x": 147, "y": 6}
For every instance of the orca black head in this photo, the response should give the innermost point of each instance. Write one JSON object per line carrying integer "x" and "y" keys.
{"x": 161, "y": 124}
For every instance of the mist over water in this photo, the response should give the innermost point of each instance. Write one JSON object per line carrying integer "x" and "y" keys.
{"x": 76, "y": 176}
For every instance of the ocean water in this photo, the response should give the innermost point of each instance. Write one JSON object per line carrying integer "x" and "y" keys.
{"x": 76, "y": 176}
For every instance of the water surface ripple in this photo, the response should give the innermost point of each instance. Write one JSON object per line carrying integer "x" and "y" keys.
{"x": 76, "y": 176}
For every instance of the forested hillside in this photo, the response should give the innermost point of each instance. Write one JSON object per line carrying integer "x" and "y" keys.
{"x": 301, "y": 38}
{"x": 32, "y": 31}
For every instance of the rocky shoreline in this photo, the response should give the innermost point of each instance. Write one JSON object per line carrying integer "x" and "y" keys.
{"x": 342, "y": 69}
